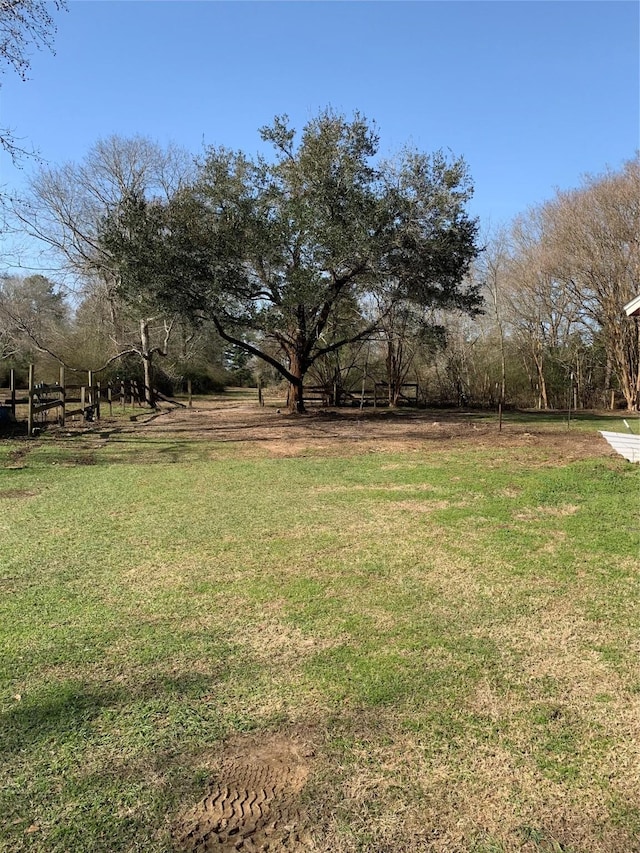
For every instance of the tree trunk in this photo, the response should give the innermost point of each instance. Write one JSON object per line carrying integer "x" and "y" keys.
{"x": 542, "y": 384}
{"x": 145, "y": 351}
{"x": 392, "y": 373}
{"x": 626, "y": 357}
{"x": 295, "y": 397}
{"x": 608, "y": 391}
{"x": 398, "y": 364}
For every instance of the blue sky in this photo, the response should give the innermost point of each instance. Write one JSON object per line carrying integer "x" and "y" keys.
{"x": 532, "y": 94}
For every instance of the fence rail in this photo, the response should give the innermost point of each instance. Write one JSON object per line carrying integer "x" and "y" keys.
{"x": 43, "y": 397}
{"x": 378, "y": 395}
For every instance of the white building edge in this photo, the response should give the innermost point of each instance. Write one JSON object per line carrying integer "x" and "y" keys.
{"x": 627, "y": 445}
{"x": 633, "y": 308}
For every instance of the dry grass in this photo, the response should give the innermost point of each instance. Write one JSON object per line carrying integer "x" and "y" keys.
{"x": 444, "y": 617}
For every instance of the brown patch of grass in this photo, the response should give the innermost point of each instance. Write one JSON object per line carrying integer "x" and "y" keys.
{"x": 12, "y": 494}
{"x": 271, "y": 641}
{"x": 148, "y": 576}
{"x": 554, "y": 539}
{"x": 381, "y": 487}
{"x": 423, "y": 506}
{"x": 511, "y": 492}
{"x": 555, "y": 642}
{"x": 562, "y": 671}
{"x": 547, "y": 512}
{"x": 496, "y": 794}
{"x": 398, "y": 794}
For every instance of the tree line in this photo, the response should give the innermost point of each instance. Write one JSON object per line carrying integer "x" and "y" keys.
{"x": 318, "y": 262}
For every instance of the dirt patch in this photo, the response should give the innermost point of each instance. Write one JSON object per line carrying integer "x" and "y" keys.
{"x": 253, "y": 803}
{"x": 14, "y": 494}
{"x": 16, "y": 458}
{"x": 343, "y": 432}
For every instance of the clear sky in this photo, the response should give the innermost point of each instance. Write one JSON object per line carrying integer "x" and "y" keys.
{"x": 532, "y": 94}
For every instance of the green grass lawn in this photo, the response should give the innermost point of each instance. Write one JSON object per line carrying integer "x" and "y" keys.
{"x": 455, "y": 632}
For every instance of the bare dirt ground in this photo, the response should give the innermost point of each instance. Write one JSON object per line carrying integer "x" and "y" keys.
{"x": 346, "y": 431}
{"x": 252, "y": 803}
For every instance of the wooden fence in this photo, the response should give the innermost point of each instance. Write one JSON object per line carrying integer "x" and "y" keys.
{"x": 376, "y": 396}
{"x": 67, "y": 400}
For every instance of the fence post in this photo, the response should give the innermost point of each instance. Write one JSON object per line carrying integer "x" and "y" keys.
{"x": 90, "y": 375}
{"x": 110, "y": 398}
{"x": 12, "y": 388}
{"x": 98, "y": 395}
{"x": 83, "y": 396}
{"x": 30, "y": 415}
{"x": 63, "y": 396}
{"x": 189, "y": 392}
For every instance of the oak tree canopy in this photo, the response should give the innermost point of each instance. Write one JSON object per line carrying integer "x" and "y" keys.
{"x": 275, "y": 250}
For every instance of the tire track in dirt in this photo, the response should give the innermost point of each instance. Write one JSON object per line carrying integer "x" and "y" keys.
{"x": 254, "y": 805}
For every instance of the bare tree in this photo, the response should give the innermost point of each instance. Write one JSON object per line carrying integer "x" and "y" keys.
{"x": 23, "y": 23}
{"x": 65, "y": 208}
{"x": 593, "y": 240}
{"x": 527, "y": 283}
{"x": 541, "y": 310}
{"x": 492, "y": 268}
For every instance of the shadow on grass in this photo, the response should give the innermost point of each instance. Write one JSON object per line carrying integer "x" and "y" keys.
{"x": 67, "y": 711}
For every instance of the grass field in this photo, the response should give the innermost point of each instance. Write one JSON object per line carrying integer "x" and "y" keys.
{"x": 441, "y": 642}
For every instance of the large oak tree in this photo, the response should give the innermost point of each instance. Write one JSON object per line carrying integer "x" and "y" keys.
{"x": 272, "y": 250}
